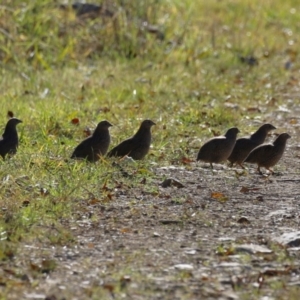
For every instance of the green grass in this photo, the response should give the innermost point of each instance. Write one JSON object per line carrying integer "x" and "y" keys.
{"x": 55, "y": 67}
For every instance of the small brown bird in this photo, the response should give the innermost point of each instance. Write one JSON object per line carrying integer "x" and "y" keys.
{"x": 96, "y": 145}
{"x": 10, "y": 140}
{"x": 244, "y": 146}
{"x": 267, "y": 155}
{"x": 137, "y": 146}
{"x": 219, "y": 148}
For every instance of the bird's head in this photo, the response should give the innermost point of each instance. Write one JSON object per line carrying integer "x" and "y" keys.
{"x": 104, "y": 125}
{"x": 232, "y": 132}
{"x": 147, "y": 124}
{"x": 267, "y": 127}
{"x": 283, "y": 136}
{"x": 13, "y": 122}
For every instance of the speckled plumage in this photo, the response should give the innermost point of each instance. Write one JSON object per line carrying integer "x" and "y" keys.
{"x": 10, "y": 140}
{"x": 267, "y": 155}
{"x": 96, "y": 145}
{"x": 244, "y": 146}
{"x": 219, "y": 148}
{"x": 138, "y": 145}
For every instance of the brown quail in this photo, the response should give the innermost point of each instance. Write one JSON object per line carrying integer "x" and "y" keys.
{"x": 137, "y": 146}
{"x": 10, "y": 140}
{"x": 267, "y": 155}
{"x": 219, "y": 148}
{"x": 244, "y": 146}
{"x": 96, "y": 145}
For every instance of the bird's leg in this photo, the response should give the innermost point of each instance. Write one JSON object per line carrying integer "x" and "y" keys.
{"x": 211, "y": 166}
{"x": 241, "y": 165}
{"x": 259, "y": 171}
{"x": 272, "y": 172}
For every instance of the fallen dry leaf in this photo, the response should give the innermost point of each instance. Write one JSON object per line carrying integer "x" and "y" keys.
{"x": 10, "y": 114}
{"x": 75, "y": 121}
{"x": 253, "y": 109}
{"x": 219, "y": 196}
{"x": 171, "y": 182}
{"x": 243, "y": 220}
{"x": 108, "y": 287}
{"x": 125, "y": 230}
{"x": 275, "y": 272}
{"x": 167, "y": 222}
{"x": 186, "y": 160}
{"x": 244, "y": 189}
{"x": 25, "y": 203}
{"x": 93, "y": 201}
{"x": 87, "y": 132}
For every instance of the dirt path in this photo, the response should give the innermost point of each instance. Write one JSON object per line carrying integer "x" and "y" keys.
{"x": 181, "y": 243}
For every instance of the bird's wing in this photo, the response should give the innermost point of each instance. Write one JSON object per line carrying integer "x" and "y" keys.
{"x": 214, "y": 143}
{"x": 260, "y": 153}
{"x": 82, "y": 149}
{"x": 244, "y": 142}
{"x": 211, "y": 148}
{"x": 243, "y": 147}
{"x": 124, "y": 148}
